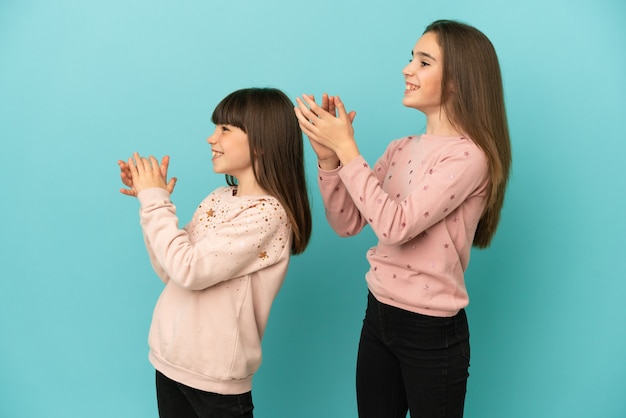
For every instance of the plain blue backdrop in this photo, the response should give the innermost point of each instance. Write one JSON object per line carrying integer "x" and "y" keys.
{"x": 85, "y": 83}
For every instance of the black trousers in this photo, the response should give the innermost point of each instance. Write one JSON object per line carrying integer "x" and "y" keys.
{"x": 176, "y": 400}
{"x": 411, "y": 362}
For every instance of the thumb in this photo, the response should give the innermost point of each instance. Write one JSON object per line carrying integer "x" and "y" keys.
{"x": 171, "y": 184}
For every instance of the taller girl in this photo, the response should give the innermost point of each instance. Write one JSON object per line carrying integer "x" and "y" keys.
{"x": 428, "y": 199}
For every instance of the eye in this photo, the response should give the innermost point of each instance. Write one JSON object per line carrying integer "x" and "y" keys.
{"x": 424, "y": 64}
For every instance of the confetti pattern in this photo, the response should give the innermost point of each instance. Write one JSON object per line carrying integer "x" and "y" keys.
{"x": 222, "y": 274}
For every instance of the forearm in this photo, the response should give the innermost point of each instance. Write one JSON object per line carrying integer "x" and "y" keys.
{"x": 156, "y": 266}
{"x": 341, "y": 212}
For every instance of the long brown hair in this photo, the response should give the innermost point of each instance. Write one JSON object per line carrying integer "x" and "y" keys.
{"x": 473, "y": 98}
{"x": 266, "y": 115}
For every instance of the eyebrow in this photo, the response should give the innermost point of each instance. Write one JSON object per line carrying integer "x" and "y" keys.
{"x": 423, "y": 54}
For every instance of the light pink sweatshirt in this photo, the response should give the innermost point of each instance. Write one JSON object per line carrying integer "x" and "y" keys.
{"x": 423, "y": 200}
{"x": 221, "y": 274}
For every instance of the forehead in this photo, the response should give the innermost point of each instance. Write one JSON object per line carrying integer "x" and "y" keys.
{"x": 428, "y": 45}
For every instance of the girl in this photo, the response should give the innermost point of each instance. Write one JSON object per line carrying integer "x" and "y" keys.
{"x": 428, "y": 199}
{"x": 224, "y": 269}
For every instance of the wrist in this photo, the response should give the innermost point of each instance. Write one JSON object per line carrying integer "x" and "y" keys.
{"x": 328, "y": 163}
{"x": 348, "y": 154}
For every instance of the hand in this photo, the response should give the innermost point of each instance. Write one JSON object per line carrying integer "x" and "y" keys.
{"x": 325, "y": 155}
{"x": 328, "y": 104}
{"x": 331, "y": 135}
{"x": 127, "y": 177}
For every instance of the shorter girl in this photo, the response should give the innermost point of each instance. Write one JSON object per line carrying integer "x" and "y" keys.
{"x": 429, "y": 198}
{"x": 224, "y": 269}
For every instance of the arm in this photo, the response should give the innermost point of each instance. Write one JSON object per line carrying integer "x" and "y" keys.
{"x": 453, "y": 179}
{"x": 332, "y": 137}
{"x": 126, "y": 175}
{"x": 244, "y": 244}
{"x": 342, "y": 213}
{"x": 156, "y": 266}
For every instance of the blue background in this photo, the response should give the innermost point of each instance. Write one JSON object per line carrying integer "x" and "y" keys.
{"x": 84, "y": 83}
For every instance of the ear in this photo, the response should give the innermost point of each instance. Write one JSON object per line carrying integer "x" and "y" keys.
{"x": 451, "y": 88}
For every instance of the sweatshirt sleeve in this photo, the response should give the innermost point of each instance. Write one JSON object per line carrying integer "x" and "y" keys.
{"x": 342, "y": 214}
{"x": 156, "y": 266}
{"x": 457, "y": 175}
{"x": 245, "y": 244}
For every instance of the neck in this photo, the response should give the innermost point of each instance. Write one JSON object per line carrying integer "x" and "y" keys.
{"x": 439, "y": 124}
{"x": 249, "y": 188}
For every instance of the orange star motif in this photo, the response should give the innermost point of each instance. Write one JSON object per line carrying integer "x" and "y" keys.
{"x": 263, "y": 254}
{"x": 209, "y": 213}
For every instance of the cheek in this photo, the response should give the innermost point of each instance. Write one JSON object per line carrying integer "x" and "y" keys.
{"x": 434, "y": 87}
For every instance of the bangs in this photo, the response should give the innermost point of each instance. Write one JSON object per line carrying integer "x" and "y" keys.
{"x": 231, "y": 111}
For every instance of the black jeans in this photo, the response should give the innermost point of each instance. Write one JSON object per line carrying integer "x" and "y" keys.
{"x": 176, "y": 400}
{"x": 414, "y": 362}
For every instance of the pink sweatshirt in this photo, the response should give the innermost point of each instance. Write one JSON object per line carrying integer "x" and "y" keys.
{"x": 423, "y": 200}
{"x": 221, "y": 274}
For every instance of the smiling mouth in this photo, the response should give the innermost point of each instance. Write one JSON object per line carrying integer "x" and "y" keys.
{"x": 410, "y": 87}
{"x": 216, "y": 154}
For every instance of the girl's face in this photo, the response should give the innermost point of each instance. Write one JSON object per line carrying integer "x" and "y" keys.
{"x": 231, "y": 152}
{"x": 423, "y": 76}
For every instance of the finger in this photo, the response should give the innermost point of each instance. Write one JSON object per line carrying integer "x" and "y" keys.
{"x": 325, "y": 102}
{"x": 305, "y": 127}
{"x": 126, "y": 179}
{"x": 301, "y": 118}
{"x": 313, "y": 109}
{"x": 303, "y": 107}
{"x": 309, "y": 100}
{"x": 171, "y": 184}
{"x": 352, "y": 115}
{"x": 304, "y": 115}
{"x": 123, "y": 167}
{"x": 125, "y": 173}
{"x": 331, "y": 107}
{"x": 132, "y": 167}
{"x": 142, "y": 163}
{"x": 128, "y": 192}
{"x": 341, "y": 108}
{"x": 154, "y": 163}
{"x": 303, "y": 121}
{"x": 165, "y": 162}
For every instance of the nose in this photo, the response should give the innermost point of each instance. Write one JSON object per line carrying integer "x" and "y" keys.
{"x": 212, "y": 139}
{"x": 408, "y": 69}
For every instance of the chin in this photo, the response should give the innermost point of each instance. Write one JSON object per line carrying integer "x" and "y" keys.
{"x": 408, "y": 103}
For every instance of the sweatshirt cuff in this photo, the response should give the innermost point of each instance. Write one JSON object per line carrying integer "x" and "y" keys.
{"x": 153, "y": 194}
{"x": 333, "y": 171}
{"x": 353, "y": 166}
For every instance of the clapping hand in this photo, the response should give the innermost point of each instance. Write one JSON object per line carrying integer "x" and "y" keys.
{"x": 329, "y": 128}
{"x": 139, "y": 173}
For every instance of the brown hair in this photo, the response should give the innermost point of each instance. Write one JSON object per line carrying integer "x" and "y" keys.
{"x": 266, "y": 115}
{"x": 473, "y": 98}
